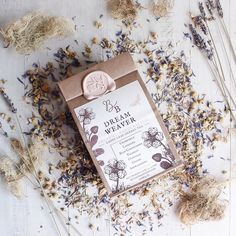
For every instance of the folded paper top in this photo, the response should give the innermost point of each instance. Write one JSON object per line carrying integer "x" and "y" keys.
{"x": 115, "y": 68}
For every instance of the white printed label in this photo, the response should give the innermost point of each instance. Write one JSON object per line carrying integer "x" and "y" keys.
{"x": 125, "y": 136}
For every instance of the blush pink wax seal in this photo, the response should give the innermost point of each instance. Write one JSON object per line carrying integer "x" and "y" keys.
{"x": 96, "y": 84}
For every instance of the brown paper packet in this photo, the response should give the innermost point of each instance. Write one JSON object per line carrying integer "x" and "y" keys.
{"x": 123, "y": 70}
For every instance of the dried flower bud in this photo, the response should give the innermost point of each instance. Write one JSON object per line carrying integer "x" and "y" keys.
{"x": 199, "y": 22}
{"x": 200, "y": 43}
{"x": 219, "y": 8}
{"x": 4, "y": 132}
{"x": 202, "y": 10}
{"x": 209, "y": 8}
{"x": 211, "y": 4}
{"x": 8, "y": 101}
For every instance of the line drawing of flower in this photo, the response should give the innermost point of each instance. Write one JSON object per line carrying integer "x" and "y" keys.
{"x": 115, "y": 169}
{"x": 152, "y": 137}
{"x": 86, "y": 115}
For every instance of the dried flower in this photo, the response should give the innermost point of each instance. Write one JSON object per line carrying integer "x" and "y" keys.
{"x": 98, "y": 24}
{"x": 202, "y": 10}
{"x": 8, "y": 101}
{"x": 211, "y": 4}
{"x": 199, "y": 22}
{"x": 208, "y": 6}
{"x": 200, "y": 43}
{"x": 3, "y": 131}
{"x": 95, "y": 40}
{"x": 219, "y": 8}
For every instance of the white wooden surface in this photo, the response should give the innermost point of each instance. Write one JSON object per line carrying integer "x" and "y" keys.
{"x": 24, "y": 217}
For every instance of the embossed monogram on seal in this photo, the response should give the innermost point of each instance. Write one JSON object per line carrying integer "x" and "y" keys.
{"x": 97, "y": 83}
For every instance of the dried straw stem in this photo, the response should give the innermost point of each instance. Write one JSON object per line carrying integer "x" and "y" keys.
{"x": 218, "y": 81}
{"x": 221, "y": 75}
{"x": 226, "y": 54}
{"x": 34, "y": 174}
{"x": 222, "y": 22}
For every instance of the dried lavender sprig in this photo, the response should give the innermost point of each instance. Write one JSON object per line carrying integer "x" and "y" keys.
{"x": 219, "y": 9}
{"x": 200, "y": 42}
{"x": 198, "y": 21}
{"x": 8, "y": 101}
{"x": 217, "y": 61}
{"x": 197, "y": 38}
{"x": 209, "y": 9}
{"x": 202, "y": 10}
{"x": 211, "y": 4}
{"x": 220, "y": 14}
{"x": 4, "y": 132}
{"x": 208, "y": 51}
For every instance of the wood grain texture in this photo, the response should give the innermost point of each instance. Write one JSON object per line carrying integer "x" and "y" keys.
{"x": 29, "y": 216}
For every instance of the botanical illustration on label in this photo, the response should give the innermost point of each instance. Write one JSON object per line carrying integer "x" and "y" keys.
{"x": 125, "y": 137}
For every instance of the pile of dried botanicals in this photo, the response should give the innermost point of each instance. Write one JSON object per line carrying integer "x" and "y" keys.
{"x": 192, "y": 121}
{"x": 31, "y": 31}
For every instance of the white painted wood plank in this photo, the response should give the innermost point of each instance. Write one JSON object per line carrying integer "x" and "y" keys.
{"x": 206, "y": 85}
{"x": 232, "y": 225}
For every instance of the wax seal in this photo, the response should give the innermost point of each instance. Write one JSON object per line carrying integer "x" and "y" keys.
{"x": 96, "y": 84}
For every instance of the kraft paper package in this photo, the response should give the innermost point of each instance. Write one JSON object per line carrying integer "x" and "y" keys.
{"x": 120, "y": 124}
